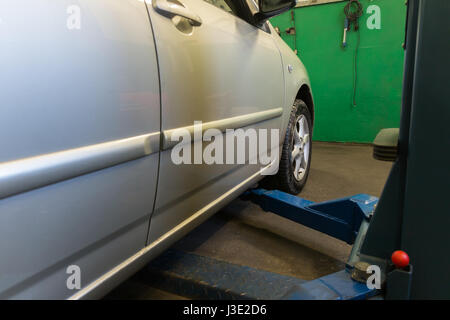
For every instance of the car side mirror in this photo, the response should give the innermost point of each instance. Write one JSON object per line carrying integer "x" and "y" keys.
{"x": 270, "y": 8}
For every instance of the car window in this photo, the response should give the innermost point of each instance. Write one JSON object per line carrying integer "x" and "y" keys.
{"x": 222, "y": 4}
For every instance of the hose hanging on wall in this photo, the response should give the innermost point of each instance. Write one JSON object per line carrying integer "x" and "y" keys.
{"x": 353, "y": 10}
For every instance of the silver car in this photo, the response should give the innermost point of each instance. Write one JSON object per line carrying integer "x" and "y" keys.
{"x": 92, "y": 92}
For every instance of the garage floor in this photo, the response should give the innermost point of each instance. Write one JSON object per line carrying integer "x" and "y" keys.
{"x": 244, "y": 234}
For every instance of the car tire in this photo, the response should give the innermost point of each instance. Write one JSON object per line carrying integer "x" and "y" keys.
{"x": 295, "y": 159}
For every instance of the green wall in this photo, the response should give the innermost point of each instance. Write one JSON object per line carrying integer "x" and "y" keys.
{"x": 380, "y": 68}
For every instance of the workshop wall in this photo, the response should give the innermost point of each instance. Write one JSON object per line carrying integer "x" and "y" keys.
{"x": 318, "y": 39}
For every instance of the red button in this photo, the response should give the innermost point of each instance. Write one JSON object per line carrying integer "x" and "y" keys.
{"x": 400, "y": 259}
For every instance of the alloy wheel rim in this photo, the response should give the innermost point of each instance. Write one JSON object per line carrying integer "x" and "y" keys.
{"x": 300, "y": 148}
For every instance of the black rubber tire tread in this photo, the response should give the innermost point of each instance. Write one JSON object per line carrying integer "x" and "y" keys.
{"x": 284, "y": 180}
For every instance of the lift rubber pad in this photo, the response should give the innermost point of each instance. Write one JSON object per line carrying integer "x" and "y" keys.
{"x": 198, "y": 277}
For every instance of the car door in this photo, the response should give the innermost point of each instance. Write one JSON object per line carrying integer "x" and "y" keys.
{"x": 218, "y": 69}
{"x": 79, "y": 141}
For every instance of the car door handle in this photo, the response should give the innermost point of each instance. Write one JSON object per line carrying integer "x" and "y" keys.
{"x": 171, "y": 9}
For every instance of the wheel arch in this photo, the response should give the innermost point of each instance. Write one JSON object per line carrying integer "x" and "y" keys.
{"x": 304, "y": 93}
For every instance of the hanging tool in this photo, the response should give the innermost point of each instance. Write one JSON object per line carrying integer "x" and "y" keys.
{"x": 344, "y": 41}
{"x": 353, "y": 10}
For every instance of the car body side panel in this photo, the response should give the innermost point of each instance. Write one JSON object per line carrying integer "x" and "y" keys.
{"x": 67, "y": 93}
{"x": 89, "y": 85}
{"x": 94, "y": 221}
{"x": 225, "y": 68}
{"x": 123, "y": 271}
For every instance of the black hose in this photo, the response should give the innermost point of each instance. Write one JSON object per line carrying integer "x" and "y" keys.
{"x": 353, "y": 10}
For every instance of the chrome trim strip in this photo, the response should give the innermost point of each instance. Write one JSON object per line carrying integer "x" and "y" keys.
{"x": 121, "y": 272}
{"x": 30, "y": 173}
{"x": 224, "y": 124}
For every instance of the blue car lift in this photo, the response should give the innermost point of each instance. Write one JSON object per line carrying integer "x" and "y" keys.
{"x": 195, "y": 276}
{"x": 412, "y": 213}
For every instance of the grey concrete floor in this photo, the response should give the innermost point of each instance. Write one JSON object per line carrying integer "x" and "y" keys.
{"x": 243, "y": 234}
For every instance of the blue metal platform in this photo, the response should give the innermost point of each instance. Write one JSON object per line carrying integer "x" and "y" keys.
{"x": 339, "y": 218}
{"x": 193, "y": 276}
{"x": 200, "y": 277}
